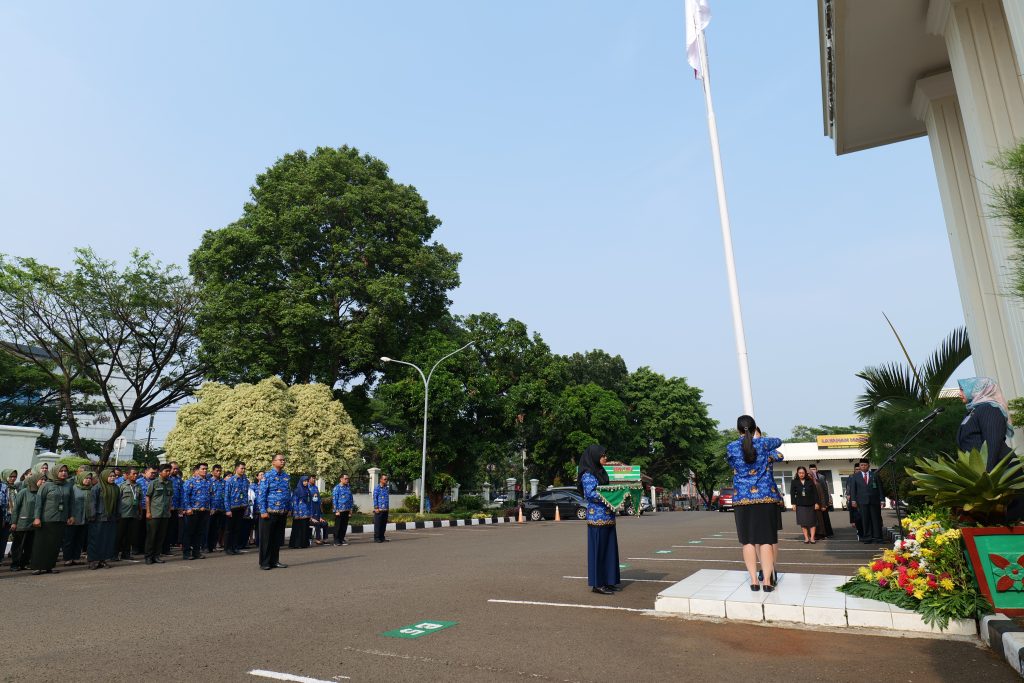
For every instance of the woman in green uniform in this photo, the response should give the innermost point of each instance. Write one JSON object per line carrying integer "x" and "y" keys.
{"x": 21, "y": 521}
{"x": 53, "y": 512}
{"x": 103, "y": 514}
{"x": 74, "y": 534}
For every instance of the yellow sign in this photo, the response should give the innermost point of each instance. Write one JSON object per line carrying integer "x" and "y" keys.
{"x": 842, "y": 441}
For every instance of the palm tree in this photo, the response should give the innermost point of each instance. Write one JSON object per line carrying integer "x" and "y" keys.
{"x": 894, "y": 386}
{"x": 897, "y": 396}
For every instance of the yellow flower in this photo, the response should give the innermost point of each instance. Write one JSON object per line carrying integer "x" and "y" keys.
{"x": 919, "y": 594}
{"x": 865, "y": 573}
{"x": 947, "y": 584}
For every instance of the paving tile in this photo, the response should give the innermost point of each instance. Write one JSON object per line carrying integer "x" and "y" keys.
{"x": 692, "y": 583}
{"x": 824, "y": 616}
{"x": 744, "y": 611}
{"x": 783, "y": 612}
{"x": 670, "y": 605}
{"x": 711, "y": 608}
{"x": 866, "y": 604}
{"x": 869, "y": 618}
{"x": 833, "y": 600}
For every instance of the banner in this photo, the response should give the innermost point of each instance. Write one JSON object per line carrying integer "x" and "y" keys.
{"x": 842, "y": 441}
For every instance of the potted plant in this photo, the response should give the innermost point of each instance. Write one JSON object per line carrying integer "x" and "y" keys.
{"x": 980, "y": 500}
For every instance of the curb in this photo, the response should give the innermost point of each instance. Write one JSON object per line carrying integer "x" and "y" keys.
{"x": 432, "y": 524}
{"x": 1006, "y": 636}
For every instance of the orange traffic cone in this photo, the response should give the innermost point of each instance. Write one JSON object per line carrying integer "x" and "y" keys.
{"x": 558, "y": 517}
{"x": 521, "y": 520}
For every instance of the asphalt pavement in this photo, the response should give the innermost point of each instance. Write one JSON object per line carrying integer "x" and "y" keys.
{"x": 481, "y": 603}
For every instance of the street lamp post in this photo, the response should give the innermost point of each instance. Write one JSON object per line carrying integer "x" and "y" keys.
{"x": 426, "y": 405}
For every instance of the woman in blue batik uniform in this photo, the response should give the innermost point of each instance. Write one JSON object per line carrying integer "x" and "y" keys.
{"x": 755, "y": 499}
{"x": 602, "y": 543}
{"x": 302, "y": 507}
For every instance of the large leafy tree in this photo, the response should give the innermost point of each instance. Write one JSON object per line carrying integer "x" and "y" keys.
{"x": 330, "y": 267}
{"x": 709, "y": 467}
{"x": 128, "y": 333}
{"x": 252, "y": 422}
{"x": 669, "y": 425}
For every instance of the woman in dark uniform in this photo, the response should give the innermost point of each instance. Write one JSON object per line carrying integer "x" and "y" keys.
{"x": 804, "y": 494}
{"x": 987, "y": 421}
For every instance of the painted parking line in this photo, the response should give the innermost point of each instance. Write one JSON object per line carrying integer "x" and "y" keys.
{"x": 584, "y": 578}
{"x": 788, "y": 550}
{"x": 777, "y": 564}
{"x": 571, "y": 604}
{"x": 278, "y": 676}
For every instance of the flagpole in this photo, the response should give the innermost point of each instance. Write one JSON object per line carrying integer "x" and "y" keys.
{"x": 723, "y": 214}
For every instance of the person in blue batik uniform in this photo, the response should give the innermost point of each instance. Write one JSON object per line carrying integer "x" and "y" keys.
{"x": 196, "y": 506}
{"x": 254, "y": 508}
{"x": 176, "y": 525}
{"x": 217, "y": 510}
{"x": 602, "y": 541}
{"x": 274, "y": 501}
{"x": 755, "y": 499}
{"x": 302, "y": 506}
{"x": 381, "y": 503}
{"x": 341, "y": 498}
{"x": 236, "y": 501}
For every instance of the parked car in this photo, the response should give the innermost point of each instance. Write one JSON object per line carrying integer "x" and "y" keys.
{"x": 725, "y": 500}
{"x": 542, "y": 506}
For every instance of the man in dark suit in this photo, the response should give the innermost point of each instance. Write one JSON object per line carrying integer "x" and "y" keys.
{"x": 866, "y": 494}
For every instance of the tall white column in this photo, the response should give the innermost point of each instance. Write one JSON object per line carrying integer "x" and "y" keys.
{"x": 374, "y": 478}
{"x": 991, "y": 97}
{"x": 1014, "y": 10}
{"x": 936, "y": 105}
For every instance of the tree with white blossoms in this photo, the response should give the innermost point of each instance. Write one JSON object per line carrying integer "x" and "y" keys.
{"x": 252, "y": 422}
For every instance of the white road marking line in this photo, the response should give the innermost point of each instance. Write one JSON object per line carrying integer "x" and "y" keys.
{"x": 790, "y": 550}
{"x": 624, "y": 580}
{"x": 570, "y": 604}
{"x": 291, "y": 677}
{"x": 777, "y": 564}
{"x": 449, "y": 662}
{"x": 781, "y": 540}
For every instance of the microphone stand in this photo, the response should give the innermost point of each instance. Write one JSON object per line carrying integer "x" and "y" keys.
{"x": 921, "y": 426}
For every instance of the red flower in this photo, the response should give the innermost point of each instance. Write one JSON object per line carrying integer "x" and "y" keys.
{"x": 914, "y": 564}
{"x": 877, "y": 566}
{"x": 883, "y": 582}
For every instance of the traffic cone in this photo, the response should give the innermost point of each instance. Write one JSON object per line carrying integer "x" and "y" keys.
{"x": 521, "y": 520}
{"x": 558, "y": 517}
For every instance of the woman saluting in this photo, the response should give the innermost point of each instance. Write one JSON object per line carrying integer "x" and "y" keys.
{"x": 602, "y": 543}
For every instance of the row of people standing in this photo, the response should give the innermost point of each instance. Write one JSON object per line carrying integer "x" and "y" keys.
{"x": 47, "y": 513}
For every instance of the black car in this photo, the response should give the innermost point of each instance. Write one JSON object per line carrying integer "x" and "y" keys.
{"x": 542, "y": 506}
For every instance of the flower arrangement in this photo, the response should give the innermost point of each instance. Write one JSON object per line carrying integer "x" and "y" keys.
{"x": 925, "y": 571}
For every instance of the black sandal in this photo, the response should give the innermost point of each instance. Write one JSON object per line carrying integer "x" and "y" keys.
{"x": 755, "y": 587}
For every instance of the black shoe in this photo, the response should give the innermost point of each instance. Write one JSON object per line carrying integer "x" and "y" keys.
{"x": 602, "y": 590}
{"x": 187, "y": 557}
{"x": 279, "y": 565}
{"x": 344, "y": 543}
{"x": 263, "y": 566}
{"x": 199, "y": 557}
{"x": 768, "y": 588}
{"x": 775, "y": 578}
{"x": 755, "y": 586}
{"x": 385, "y": 540}
{"x": 760, "y": 577}
{"x": 377, "y": 540}
{"x": 158, "y": 560}
{"x": 149, "y": 560}
{"x": 613, "y": 588}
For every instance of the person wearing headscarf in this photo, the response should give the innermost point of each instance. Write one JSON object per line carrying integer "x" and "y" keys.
{"x": 755, "y": 499}
{"x": 102, "y": 514}
{"x": 74, "y": 533}
{"x": 23, "y": 514}
{"x": 53, "y": 514}
{"x": 987, "y": 421}
{"x": 302, "y": 509}
{"x": 8, "y": 491}
{"x": 602, "y": 541}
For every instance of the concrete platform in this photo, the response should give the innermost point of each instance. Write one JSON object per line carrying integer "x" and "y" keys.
{"x": 799, "y": 598}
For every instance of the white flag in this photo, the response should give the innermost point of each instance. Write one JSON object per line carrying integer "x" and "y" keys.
{"x": 698, "y": 16}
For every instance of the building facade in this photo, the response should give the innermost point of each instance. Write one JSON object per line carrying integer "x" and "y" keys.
{"x": 948, "y": 69}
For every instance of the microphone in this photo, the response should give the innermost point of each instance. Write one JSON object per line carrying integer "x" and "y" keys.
{"x": 932, "y": 415}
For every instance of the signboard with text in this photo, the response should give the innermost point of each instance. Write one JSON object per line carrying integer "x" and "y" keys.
{"x": 623, "y": 472}
{"x": 842, "y": 441}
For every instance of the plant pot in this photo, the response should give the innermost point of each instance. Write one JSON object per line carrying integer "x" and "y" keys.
{"x": 997, "y": 557}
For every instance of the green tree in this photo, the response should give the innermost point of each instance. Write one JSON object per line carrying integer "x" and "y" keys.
{"x": 596, "y": 367}
{"x": 805, "y": 433}
{"x": 897, "y": 396}
{"x": 709, "y": 468}
{"x": 668, "y": 424}
{"x": 253, "y": 422}
{"x": 129, "y": 333}
{"x": 330, "y": 267}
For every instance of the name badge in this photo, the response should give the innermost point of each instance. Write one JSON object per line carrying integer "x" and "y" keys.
{"x": 60, "y": 507}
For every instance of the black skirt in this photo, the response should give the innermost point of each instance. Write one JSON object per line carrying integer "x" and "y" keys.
{"x": 778, "y": 518}
{"x": 757, "y": 523}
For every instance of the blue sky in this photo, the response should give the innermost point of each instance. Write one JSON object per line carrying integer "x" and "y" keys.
{"x": 563, "y": 145}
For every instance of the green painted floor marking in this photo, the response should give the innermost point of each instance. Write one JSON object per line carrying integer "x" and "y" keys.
{"x": 623, "y": 566}
{"x": 663, "y": 552}
{"x": 420, "y": 629}
{"x": 695, "y": 542}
